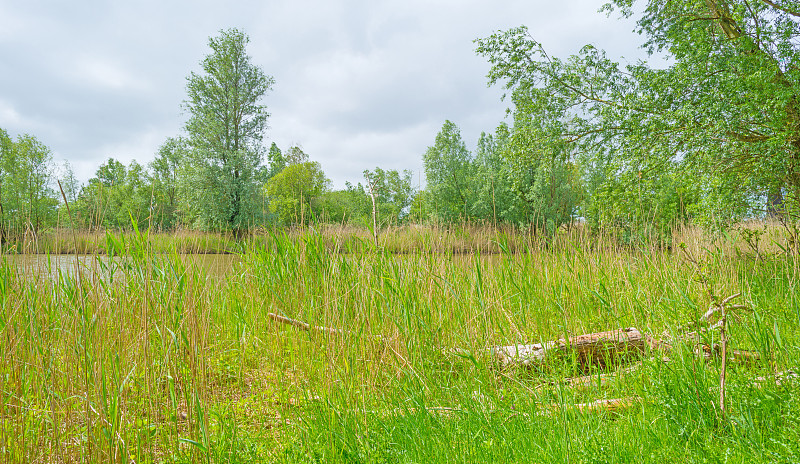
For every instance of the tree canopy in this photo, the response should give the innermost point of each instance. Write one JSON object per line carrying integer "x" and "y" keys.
{"x": 225, "y": 130}
{"x": 725, "y": 105}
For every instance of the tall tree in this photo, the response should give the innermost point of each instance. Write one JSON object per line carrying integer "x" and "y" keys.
{"x": 29, "y": 175}
{"x": 116, "y": 196}
{"x": 448, "y": 169}
{"x": 226, "y": 126}
{"x": 166, "y": 175}
{"x": 726, "y": 106}
{"x": 295, "y": 155}
{"x": 276, "y": 161}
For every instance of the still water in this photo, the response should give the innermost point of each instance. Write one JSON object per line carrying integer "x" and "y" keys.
{"x": 53, "y": 266}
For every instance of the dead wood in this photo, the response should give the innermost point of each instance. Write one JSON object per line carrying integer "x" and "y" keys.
{"x": 600, "y": 349}
{"x": 611, "y": 404}
{"x": 599, "y": 380}
{"x": 779, "y": 379}
{"x": 304, "y": 326}
{"x": 604, "y": 348}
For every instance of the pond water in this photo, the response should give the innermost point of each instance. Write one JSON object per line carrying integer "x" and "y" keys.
{"x": 214, "y": 265}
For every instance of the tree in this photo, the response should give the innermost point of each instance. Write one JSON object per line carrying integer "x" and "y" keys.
{"x": 448, "y": 169}
{"x": 392, "y": 193}
{"x": 225, "y": 128}
{"x": 726, "y": 107}
{"x": 71, "y": 188}
{"x": 497, "y": 197}
{"x": 6, "y": 153}
{"x": 276, "y": 161}
{"x": 166, "y": 169}
{"x": 27, "y": 200}
{"x": 296, "y": 155}
{"x": 351, "y": 205}
{"x": 116, "y": 196}
{"x": 293, "y": 192}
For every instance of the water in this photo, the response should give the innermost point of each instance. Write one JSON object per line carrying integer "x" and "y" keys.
{"x": 215, "y": 265}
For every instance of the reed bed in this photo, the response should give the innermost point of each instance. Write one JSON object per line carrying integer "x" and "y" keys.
{"x": 142, "y": 355}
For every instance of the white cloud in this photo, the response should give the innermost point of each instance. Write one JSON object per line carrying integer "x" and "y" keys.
{"x": 9, "y": 116}
{"x": 105, "y": 74}
{"x": 359, "y": 83}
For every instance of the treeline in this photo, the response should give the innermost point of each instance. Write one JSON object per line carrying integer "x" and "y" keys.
{"x": 501, "y": 182}
{"x": 711, "y": 138}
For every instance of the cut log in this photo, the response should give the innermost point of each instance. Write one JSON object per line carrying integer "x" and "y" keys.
{"x": 599, "y": 349}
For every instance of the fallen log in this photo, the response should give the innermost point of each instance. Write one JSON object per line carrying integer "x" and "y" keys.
{"x": 599, "y": 349}
{"x": 597, "y": 380}
{"x": 317, "y": 328}
{"x": 611, "y": 404}
{"x": 603, "y": 348}
{"x": 304, "y": 326}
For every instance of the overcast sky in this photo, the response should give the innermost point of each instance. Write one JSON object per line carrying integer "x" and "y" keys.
{"x": 359, "y": 84}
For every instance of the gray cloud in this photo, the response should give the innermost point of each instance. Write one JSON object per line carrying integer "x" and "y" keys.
{"x": 359, "y": 83}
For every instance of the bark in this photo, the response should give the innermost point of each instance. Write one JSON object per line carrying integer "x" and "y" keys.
{"x": 604, "y": 348}
{"x": 304, "y": 326}
{"x": 775, "y": 203}
{"x": 599, "y": 349}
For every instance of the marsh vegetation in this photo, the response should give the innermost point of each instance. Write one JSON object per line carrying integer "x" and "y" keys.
{"x": 167, "y": 362}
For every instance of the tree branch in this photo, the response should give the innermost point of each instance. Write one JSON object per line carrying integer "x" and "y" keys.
{"x": 778, "y": 7}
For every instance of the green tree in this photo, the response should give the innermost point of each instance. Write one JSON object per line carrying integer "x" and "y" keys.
{"x": 351, "y": 205}
{"x": 166, "y": 169}
{"x": 393, "y": 193}
{"x": 28, "y": 200}
{"x": 496, "y": 200}
{"x": 6, "y": 154}
{"x": 225, "y": 128}
{"x": 116, "y": 196}
{"x": 71, "y": 187}
{"x": 448, "y": 169}
{"x": 275, "y": 160}
{"x": 295, "y": 155}
{"x": 725, "y": 107}
{"x": 293, "y": 192}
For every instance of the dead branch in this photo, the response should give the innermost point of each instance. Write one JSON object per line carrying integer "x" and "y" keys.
{"x": 304, "y": 326}
{"x": 599, "y": 348}
{"x": 586, "y": 381}
{"x": 603, "y": 348}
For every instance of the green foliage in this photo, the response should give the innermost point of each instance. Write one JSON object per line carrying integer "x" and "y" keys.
{"x": 166, "y": 169}
{"x": 276, "y": 161}
{"x": 393, "y": 194}
{"x": 448, "y": 170}
{"x": 724, "y": 108}
{"x": 116, "y": 197}
{"x": 222, "y": 169}
{"x": 348, "y": 206}
{"x": 293, "y": 192}
{"x": 295, "y": 155}
{"x": 521, "y": 176}
{"x": 27, "y": 199}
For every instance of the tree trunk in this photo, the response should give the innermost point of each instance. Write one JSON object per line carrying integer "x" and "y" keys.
{"x": 775, "y": 203}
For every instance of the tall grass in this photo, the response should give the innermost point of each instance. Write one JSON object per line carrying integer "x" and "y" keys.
{"x": 147, "y": 357}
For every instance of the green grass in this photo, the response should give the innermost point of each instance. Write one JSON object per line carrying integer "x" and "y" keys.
{"x": 165, "y": 362}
